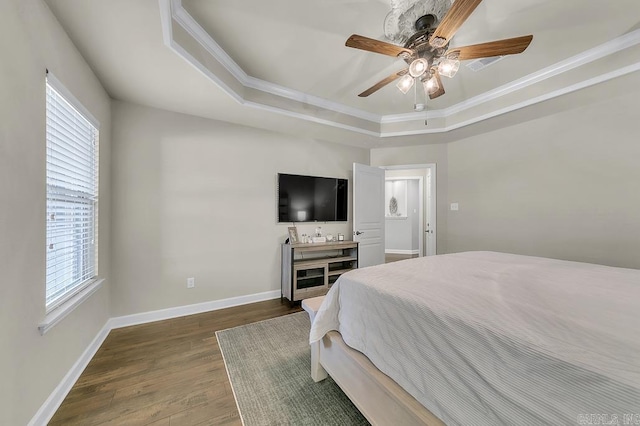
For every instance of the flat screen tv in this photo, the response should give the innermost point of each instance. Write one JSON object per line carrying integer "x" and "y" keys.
{"x": 312, "y": 199}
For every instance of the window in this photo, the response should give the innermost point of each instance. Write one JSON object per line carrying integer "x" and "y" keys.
{"x": 72, "y": 196}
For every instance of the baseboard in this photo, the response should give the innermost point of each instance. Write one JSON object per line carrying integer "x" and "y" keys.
{"x": 51, "y": 405}
{"x": 181, "y": 311}
{"x": 410, "y": 252}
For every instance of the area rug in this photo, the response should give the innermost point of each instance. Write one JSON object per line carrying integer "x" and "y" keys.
{"x": 268, "y": 363}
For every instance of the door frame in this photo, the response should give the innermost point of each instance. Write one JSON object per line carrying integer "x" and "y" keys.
{"x": 421, "y": 207}
{"x": 429, "y": 204}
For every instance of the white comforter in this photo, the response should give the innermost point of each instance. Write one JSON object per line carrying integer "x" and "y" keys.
{"x": 492, "y": 338}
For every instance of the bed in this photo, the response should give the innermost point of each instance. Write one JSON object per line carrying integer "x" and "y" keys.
{"x": 484, "y": 338}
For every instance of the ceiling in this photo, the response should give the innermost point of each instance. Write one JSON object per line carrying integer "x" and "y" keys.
{"x": 282, "y": 65}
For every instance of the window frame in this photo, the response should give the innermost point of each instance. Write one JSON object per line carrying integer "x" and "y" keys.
{"x": 77, "y": 293}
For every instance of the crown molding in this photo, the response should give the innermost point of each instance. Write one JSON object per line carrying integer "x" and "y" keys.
{"x": 311, "y": 118}
{"x": 186, "y": 21}
{"x": 532, "y": 101}
{"x": 608, "y": 48}
{"x": 306, "y": 98}
{"x": 173, "y": 10}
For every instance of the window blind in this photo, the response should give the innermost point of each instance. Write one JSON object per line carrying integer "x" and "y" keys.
{"x": 72, "y": 199}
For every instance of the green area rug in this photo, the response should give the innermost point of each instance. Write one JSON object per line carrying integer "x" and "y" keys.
{"x": 269, "y": 367}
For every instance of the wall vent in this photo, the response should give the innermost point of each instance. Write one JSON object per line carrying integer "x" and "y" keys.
{"x": 482, "y": 63}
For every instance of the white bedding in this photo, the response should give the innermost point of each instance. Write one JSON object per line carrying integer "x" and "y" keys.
{"x": 492, "y": 338}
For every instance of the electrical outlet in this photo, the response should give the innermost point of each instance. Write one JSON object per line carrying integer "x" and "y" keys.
{"x": 454, "y": 207}
{"x": 191, "y": 282}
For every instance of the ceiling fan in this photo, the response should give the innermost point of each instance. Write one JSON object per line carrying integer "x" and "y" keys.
{"x": 427, "y": 53}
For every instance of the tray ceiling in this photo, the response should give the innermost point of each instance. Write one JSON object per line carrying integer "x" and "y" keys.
{"x": 288, "y": 57}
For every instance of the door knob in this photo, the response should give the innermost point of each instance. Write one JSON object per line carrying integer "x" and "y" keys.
{"x": 358, "y": 232}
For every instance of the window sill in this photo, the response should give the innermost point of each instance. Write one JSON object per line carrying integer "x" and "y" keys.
{"x": 55, "y": 316}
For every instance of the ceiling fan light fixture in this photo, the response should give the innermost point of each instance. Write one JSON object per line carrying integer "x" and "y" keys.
{"x": 405, "y": 83}
{"x": 418, "y": 67}
{"x": 431, "y": 85}
{"x": 448, "y": 67}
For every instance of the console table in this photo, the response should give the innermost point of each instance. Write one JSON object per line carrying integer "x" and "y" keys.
{"x": 309, "y": 270}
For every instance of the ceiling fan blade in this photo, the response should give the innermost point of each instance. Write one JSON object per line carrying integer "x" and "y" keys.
{"x": 455, "y": 17}
{"x": 379, "y": 85}
{"x": 509, "y": 46}
{"x": 440, "y": 90}
{"x": 375, "y": 46}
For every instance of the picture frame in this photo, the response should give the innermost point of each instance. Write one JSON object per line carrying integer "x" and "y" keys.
{"x": 293, "y": 235}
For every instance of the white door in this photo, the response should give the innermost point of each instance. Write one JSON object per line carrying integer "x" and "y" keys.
{"x": 368, "y": 214}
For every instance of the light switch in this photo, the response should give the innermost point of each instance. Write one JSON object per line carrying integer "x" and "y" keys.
{"x": 454, "y": 206}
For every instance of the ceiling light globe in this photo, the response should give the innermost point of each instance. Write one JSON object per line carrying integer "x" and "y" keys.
{"x": 448, "y": 67}
{"x": 405, "y": 83}
{"x": 418, "y": 67}
{"x": 431, "y": 85}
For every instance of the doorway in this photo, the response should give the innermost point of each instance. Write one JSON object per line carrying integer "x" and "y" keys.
{"x": 369, "y": 209}
{"x": 411, "y": 216}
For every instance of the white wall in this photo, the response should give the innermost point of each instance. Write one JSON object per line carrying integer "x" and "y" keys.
{"x": 402, "y": 233}
{"x": 197, "y": 198}
{"x": 31, "y": 365}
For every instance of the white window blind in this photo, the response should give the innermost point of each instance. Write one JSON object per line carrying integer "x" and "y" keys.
{"x": 72, "y": 198}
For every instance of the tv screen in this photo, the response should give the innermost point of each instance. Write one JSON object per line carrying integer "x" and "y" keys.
{"x": 311, "y": 199}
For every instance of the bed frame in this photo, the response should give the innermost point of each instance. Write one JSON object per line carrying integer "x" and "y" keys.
{"x": 380, "y": 399}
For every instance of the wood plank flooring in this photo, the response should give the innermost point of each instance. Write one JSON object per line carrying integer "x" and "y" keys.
{"x": 163, "y": 373}
{"x": 388, "y": 258}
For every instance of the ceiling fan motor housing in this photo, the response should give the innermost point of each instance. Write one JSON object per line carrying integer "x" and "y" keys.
{"x": 419, "y": 43}
{"x": 425, "y": 22}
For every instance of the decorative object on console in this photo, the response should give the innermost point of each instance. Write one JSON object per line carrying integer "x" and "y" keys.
{"x": 293, "y": 235}
{"x": 340, "y": 237}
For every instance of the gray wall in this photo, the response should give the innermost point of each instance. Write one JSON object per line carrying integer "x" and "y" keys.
{"x": 565, "y": 185}
{"x": 197, "y": 198}
{"x": 31, "y": 365}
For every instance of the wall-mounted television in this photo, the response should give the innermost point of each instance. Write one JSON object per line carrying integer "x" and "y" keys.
{"x": 312, "y": 199}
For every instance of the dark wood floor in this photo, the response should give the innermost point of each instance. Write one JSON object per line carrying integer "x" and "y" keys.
{"x": 388, "y": 258}
{"x": 163, "y": 373}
